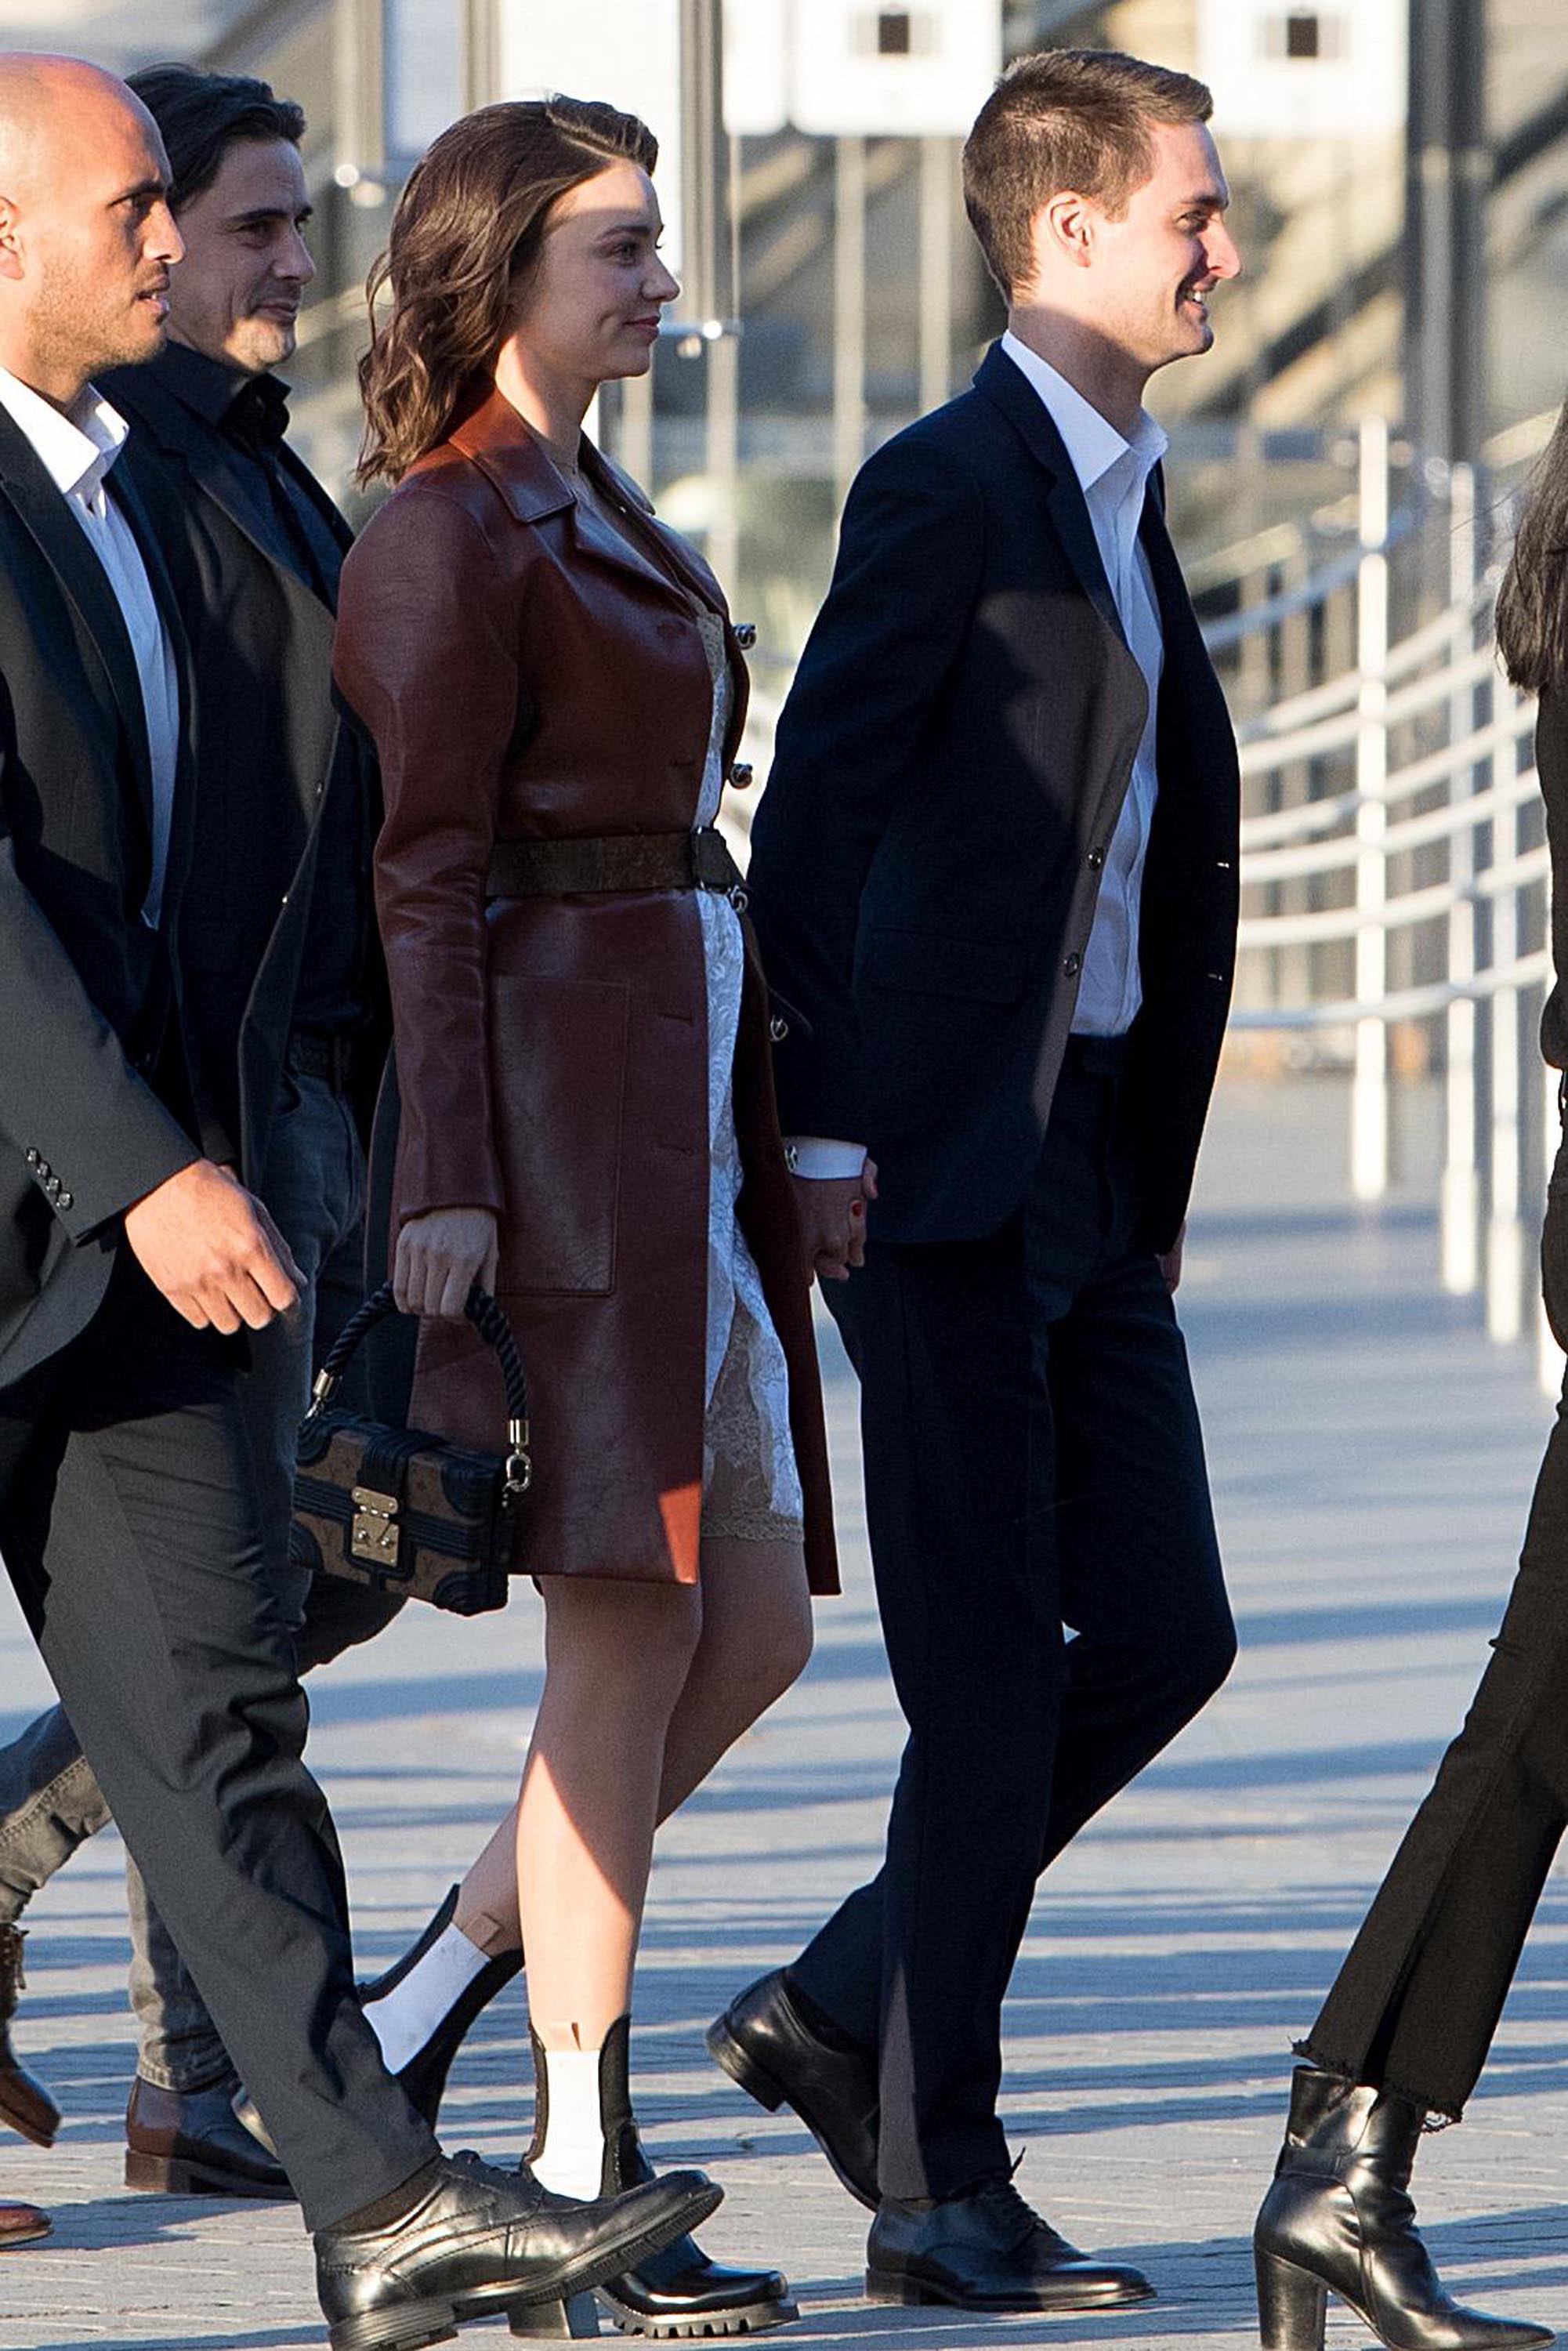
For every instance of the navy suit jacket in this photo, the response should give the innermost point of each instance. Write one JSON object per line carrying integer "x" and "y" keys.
{"x": 950, "y": 765}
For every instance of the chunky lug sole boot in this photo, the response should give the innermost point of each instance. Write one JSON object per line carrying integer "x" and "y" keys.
{"x": 678, "y": 2291}
{"x": 1339, "y": 2220}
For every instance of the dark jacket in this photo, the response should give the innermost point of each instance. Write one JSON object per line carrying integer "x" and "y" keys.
{"x": 1551, "y": 772}
{"x": 950, "y": 765}
{"x": 269, "y": 745}
{"x": 88, "y": 991}
{"x": 530, "y": 673}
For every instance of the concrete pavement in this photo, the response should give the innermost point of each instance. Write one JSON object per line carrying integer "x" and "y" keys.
{"x": 1373, "y": 1457}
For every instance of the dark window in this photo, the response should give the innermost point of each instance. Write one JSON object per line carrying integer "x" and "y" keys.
{"x": 1303, "y": 36}
{"x": 893, "y": 30}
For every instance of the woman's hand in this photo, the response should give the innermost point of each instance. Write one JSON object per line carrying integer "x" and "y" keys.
{"x": 833, "y": 1221}
{"x": 440, "y": 1256}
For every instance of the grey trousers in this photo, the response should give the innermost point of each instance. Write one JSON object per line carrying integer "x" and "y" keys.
{"x": 50, "y": 1801}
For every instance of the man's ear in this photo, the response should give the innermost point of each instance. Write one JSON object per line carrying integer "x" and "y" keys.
{"x": 13, "y": 264}
{"x": 1065, "y": 230}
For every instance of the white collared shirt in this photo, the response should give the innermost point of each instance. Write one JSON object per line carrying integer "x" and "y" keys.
{"x": 1113, "y": 475}
{"x": 77, "y": 450}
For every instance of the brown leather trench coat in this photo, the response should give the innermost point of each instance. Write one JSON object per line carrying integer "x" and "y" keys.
{"x": 526, "y": 674}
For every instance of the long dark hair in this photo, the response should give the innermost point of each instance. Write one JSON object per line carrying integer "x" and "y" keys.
{"x": 468, "y": 226}
{"x": 1532, "y": 602}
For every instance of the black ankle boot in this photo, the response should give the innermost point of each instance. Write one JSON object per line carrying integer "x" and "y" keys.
{"x": 424, "y": 2077}
{"x": 678, "y": 2291}
{"x": 1339, "y": 2218}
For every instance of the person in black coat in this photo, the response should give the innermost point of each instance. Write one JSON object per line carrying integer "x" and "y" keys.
{"x": 1408, "y": 2025}
{"x": 283, "y": 989}
{"x": 130, "y": 1261}
{"x": 994, "y": 875}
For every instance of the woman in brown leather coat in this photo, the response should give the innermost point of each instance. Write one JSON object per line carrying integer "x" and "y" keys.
{"x": 588, "y": 1123}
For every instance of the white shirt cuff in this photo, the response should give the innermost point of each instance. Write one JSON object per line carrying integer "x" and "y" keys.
{"x": 822, "y": 1159}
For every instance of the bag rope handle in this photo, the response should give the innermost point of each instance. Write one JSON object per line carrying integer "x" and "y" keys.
{"x": 489, "y": 1321}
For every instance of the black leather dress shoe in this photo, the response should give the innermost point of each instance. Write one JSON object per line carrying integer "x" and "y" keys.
{"x": 988, "y": 2251}
{"x": 24, "y": 2105}
{"x": 189, "y": 2143}
{"x": 482, "y": 2243}
{"x": 764, "y": 2043}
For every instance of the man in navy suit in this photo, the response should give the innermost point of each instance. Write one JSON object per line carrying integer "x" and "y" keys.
{"x": 995, "y": 871}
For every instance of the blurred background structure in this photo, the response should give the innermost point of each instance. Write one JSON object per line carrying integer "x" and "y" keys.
{"x": 1344, "y": 468}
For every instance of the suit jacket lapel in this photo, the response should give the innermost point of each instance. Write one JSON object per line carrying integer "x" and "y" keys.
{"x": 1006, "y": 384}
{"x": 43, "y": 509}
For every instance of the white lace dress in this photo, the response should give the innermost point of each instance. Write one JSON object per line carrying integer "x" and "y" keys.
{"x": 751, "y": 1489}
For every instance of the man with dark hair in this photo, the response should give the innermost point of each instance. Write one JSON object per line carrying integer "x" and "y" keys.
{"x": 283, "y": 992}
{"x": 130, "y": 1262}
{"x": 995, "y": 867}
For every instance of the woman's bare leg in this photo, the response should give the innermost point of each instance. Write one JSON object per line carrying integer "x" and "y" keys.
{"x": 617, "y": 1657}
{"x": 755, "y": 1638}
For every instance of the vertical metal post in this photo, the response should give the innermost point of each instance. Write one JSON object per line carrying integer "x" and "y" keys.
{"x": 848, "y": 312}
{"x": 1369, "y": 1089}
{"x": 936, "y": 271}
{"x": 479, "y": 35}
{"x": 1447, "y": 173}
{"x": 724, "y": 457}
{"x": 1461, "y": 1198}
{"x": 708, "y": 261}
{"x": 634, "y": 430}
{"x": 359, "y": 91}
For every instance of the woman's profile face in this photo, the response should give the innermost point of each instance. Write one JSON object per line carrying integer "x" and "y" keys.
{"x": 589, "y": 312}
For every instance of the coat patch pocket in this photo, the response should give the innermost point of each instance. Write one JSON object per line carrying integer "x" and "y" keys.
{"x": 559, "y": 1054}
{"x": 932, "y": 963}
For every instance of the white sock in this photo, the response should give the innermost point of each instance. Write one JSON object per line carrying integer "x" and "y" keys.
{"x": 571, "y": 2161}
{"x": 403, "y": 2021}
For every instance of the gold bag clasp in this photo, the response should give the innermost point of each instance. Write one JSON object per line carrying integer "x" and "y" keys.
{"x": 373, "y": 1535}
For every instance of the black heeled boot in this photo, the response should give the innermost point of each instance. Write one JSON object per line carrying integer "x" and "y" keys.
{"x": 423, "y": 2076}
{"x": 677, "y": 2292}
{"x": 1339, "y": 2219}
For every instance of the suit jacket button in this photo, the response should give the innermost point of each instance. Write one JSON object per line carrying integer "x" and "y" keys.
{"x": 1096, "y": 858}
{"x": 778, "y": 1028}
{"x": 745, "y": 634}
{"x": 1072, "y": 965}
{"x": 66, "y": 1200}
{"x": 740, "y": 775}
{"x": 32, "y": 1157}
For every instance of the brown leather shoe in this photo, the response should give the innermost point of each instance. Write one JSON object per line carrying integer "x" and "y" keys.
{"x": 188, "y": 2143}
{"x": 22, "y": 2224}
{"x": 24, "y": 2105}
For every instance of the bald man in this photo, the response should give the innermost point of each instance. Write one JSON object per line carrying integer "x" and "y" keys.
{"x": 131, "y": 1268}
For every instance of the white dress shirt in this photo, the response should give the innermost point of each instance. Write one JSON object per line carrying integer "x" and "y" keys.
{"x": 1113, "y": 475}
{"x": 77, "y": 448}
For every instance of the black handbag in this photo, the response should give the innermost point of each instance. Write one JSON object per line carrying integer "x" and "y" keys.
{"x": 402, "y": 1511}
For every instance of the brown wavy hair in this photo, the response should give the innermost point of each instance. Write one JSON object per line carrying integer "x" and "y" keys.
{"x": 469, "y": 225}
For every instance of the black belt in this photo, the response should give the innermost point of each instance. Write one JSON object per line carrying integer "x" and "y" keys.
{"x": 315, "y": 1054}
{"x": 600, "y": 864}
